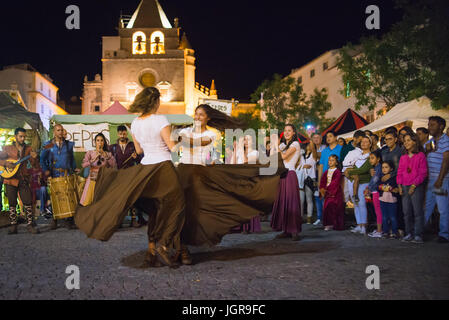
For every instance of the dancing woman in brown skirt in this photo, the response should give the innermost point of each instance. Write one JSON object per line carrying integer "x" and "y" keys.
{"x": 153, "y": 185}
{"x": 191, "y": 205}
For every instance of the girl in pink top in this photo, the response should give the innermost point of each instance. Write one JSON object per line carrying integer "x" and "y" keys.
{"x": 95, "y": 159}
{"x": 412, "y": 173}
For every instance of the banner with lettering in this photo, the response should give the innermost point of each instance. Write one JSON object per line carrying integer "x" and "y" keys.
{"x": 224, "y": 106}
{"x": 83, "y": 135}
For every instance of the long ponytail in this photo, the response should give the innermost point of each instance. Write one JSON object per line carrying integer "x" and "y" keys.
{"x": 218, "y": 119}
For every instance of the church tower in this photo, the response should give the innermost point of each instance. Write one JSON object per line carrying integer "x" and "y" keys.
{"x": 147, "y": 52}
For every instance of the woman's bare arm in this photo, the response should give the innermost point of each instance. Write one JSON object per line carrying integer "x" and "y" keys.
{"x": 166, "y": 136}
{"x": 139, "y": 149}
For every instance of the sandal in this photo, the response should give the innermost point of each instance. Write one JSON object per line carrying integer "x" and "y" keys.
{"x": 164, "y": 258}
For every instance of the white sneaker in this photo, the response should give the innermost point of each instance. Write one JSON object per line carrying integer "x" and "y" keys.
{"x": 356, "y": 230}
{"x": 375, "y": 234}
{"x": 363, "y": 230}
{"x": 317, "y": 223}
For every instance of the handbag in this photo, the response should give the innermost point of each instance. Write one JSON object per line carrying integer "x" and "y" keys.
{"x": 310, "y": 183}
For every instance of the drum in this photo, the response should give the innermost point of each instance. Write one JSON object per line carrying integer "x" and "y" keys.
{"x": 80, "y": 183}
{"x": 64, "y": 196}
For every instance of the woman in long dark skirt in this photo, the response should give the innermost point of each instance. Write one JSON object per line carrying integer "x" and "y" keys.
{"x": 287, "y": 208}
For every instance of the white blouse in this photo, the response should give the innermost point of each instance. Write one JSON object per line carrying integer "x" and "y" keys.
{"x": 147, "y": 132}
{"x": 290, "y": 164}
{"x": 311, "y": 172}
{"x": 330, "y": 173}
{"x": 253, "y": 156}
{"x": 197, "y": 154}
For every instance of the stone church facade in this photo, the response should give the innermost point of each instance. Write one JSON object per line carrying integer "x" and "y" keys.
{"x": 148, "y": 51}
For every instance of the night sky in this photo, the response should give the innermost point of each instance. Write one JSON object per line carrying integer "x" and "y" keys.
{"x": 237, "y": 43}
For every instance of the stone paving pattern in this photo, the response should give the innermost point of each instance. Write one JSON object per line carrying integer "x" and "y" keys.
{"x": 323, "y": 265}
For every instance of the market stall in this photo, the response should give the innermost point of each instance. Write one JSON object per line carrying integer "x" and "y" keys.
{"x": 414, "y": 113}
{"x": 347, "y": 122}
{"x": 12, "y": 116}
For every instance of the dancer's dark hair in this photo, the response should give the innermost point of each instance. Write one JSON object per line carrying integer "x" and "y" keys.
{"x": 218, "y": 119}
{"x": 146, "y": 101}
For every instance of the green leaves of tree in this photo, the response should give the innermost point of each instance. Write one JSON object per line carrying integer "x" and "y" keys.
{"x": 404, "y": 64}
{"x": 283, "y": 100}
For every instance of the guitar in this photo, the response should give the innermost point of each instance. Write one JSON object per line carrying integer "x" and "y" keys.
{"x": 8, "y": 173}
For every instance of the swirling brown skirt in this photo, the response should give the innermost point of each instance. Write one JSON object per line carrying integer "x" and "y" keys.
{"x": 194, "y": 203}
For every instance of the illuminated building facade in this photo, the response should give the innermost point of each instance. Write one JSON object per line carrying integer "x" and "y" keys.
{"x": 35, "y": 91}
{"x": 148, "y": 51}
{"x": 323, "y": 72}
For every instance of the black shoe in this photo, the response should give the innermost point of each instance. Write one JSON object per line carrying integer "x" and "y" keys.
{"x": 164, "y": 257}
{"x": 54, "y": 224}
{"x": 70, "y": 224}
{"x": 141, "y": 220}
{"x": 283, "y": 235}
{"x": 12, "y": 229}
{"x": 356, "y": 199}
{"x": 442, "y": 240}
{"x": 186, "y": 258}
{"x": 33, "y": 229}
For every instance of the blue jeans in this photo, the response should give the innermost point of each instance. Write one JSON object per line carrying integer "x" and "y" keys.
{"x": 389, "y": 217}
{"x": 442, "y": 203}
{"x": 361, "y": 213}
{"x": 319, "y": 207}
{"x": 42, "y": 195}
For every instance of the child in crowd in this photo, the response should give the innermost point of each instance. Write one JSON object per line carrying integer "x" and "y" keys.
{"x": 331, "y": 191}
{"x": 412, "y": 173}
{"x": 388, "y": 192}
{"x": 376, "y": 174}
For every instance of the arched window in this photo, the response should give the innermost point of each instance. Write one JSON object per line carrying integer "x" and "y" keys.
{"x": 131, "y": 91}
{"x": 157, "y": 43}
{"x": 164, "y": 88}
{"x": 139, "y": 43}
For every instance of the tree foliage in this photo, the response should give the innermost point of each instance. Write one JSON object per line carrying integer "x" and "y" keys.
{"x": 250, "y": 119}
{"x": 409, "y": 61}
{"x": 283, "y": 100}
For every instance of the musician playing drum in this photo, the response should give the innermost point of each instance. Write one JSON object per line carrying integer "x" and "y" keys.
{"x": 19, "y": 183}
{"x": 59, "y": 164}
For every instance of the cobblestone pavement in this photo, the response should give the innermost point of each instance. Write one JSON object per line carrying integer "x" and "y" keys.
{"x": 323, "y": 265}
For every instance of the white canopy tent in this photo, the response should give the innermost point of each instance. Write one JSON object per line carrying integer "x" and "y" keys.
{"x": 418, "y": 111}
